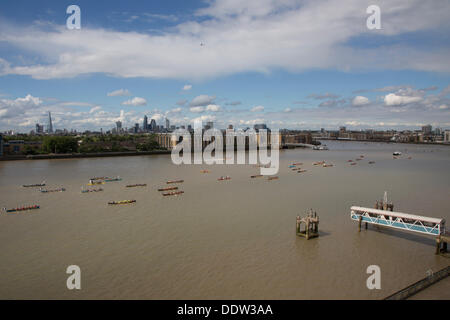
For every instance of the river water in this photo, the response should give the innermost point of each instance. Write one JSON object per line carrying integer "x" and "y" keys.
{"x": 221, "y": 239}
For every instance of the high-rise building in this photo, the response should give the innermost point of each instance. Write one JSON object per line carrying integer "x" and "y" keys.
{"x": 259, "y": 126}
{"x": 209, "y": 125}
{"x": 136, "y": 127}
{"x": 153, "y": 125}
{"x": 39, "y": 129}
{"x": 119, "y": 126}
{"x": 145, "y": 124}
{"x": 167, "y": 124}
{"x": 50, "y": 125}
{"x": 427, "y": 129}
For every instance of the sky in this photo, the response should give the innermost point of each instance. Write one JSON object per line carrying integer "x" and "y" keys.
{"x": 297, "y": 64}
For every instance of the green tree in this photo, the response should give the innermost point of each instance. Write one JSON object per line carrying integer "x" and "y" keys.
{"x": 59, "y": 145}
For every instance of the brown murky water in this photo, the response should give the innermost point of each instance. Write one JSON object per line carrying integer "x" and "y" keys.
{"x": 221, "y": 239}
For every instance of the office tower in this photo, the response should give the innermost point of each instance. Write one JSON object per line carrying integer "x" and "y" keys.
{"x": 39, "y": 129}
{"x": 145, "y": 124}
{"x": 50, "y": 125}
{"x": 209, "y": 125}
{"x": 152, "y": 126}
{"x": 167, "y": 124}
{"x": 427, "y": 129}
{"x": 119, "y": 126}
{"x": 259, "y": 126}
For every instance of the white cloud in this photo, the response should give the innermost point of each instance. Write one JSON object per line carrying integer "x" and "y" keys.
{"x": 213, "y": 108}
{"x": 360, "y": 101}
{"x": 202, "y": 100}
{"x": 395, "y": 100}
{"x": 19, "y": 106}
{"x": 119, "y": 93}
{"x": 136, "y": 101}
{"x": 175, "y": 110}
{"x": 244, "y": 36}
{"x": 257, "y": 109}
{"x": 443, "y": 107}
{"x": 287, "y": 110}
{"x": 95, "y": 109}
{"x": 197, "y": 109}
{"x": 187, "y": 87}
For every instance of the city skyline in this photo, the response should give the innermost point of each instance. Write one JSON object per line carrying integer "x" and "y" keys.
{"x": 393, "y": 78}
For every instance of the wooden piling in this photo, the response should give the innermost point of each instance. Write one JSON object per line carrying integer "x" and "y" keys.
{"x": 438, "y": 245}
{"x": 359, "y": 223}
{"x": 311, "y": 222}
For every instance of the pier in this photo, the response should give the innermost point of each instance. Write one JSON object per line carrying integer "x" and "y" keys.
{"x": 398, "y": 220}
{"x": 403, "y": 221}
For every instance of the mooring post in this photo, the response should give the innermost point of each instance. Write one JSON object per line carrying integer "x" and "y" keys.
{"x": 438, "y": 245}
{"x": 307, "y": 229}
{"x": 359, "y": 223}
{"x": 366, "y": 225}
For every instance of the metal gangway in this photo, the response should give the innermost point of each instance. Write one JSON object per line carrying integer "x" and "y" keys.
{"x": 398, "y": 220}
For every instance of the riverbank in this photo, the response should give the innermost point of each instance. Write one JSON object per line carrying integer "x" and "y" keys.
{"x": 385, "y": 141}
{"x": 82, "y": 155}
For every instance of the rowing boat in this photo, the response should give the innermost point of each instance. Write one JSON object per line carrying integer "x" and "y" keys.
{"x": 94, "y": 183}
{"x": 91, "y": 190}
{"x": 301, "y": 171}
{"x": 34, "y": 185}
{"x": 318, "y": 163}
{"x": 175, "y": 181}
{"x": 173, "y": 193}
{"x": 52, "y": 190}
{"x": 98, "y": 178}
{"x": 256, "y": 176}
{"x": 136, "y": 185}
{"x": 327, "y": 165}
{"x": 121, "y": 202}
{"x": 22, "y": 208}
{"x": 113, "y": 179}
{"x": 224, "y": 178}
{"x": 272, "y": 178}
{"x": 168, "y": 189}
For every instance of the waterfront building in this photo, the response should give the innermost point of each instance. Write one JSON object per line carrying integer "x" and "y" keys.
{"x": 447, "y": 136}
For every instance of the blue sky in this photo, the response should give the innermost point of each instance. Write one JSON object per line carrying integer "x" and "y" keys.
{"x": 288, "y": 63}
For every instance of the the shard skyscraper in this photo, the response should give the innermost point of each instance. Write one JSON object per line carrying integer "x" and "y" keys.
{"x": 50, "y": 125}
